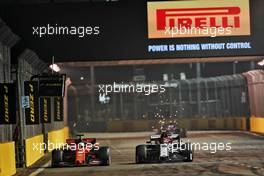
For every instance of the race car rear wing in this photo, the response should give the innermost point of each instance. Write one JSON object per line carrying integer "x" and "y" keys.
{"x": 158, "y": 136}
{"x": 175, "y": 136}
{"x": 155, "y": 137}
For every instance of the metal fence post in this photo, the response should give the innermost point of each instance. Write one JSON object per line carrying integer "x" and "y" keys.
{"x": 198, "y": 76}
{"x": 92, "y": 78}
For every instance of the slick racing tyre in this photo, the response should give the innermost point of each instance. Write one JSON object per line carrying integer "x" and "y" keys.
{"x": 188, "y": 153}
{"x": 104, "y": 156}
{"x": 189, "y": 156}
{"x": 183, "y": 133}
{"x": 141, "y": 154}
{"x": 57, "y": 157}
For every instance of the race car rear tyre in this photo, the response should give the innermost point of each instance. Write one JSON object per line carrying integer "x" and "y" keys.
{"x": 187, "y": 153}
{"x": 104, "y": 156}
{"x": 183, "y": 133}
{"x": 57, "y": 157}
{"x": 189, "y": 156}
{"x": 141, "y": 154}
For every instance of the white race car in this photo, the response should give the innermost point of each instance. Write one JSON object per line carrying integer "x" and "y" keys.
{"x": 164, "y": 147}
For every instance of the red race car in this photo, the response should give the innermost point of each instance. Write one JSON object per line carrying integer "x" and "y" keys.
{"x": 80, "y": 152}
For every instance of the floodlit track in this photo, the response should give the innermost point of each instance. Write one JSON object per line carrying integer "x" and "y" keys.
{"x": 245, "y": 158}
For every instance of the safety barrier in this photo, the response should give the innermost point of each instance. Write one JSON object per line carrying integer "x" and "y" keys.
{"x": 66, "y": 133}
{"x": 114, "y": 126}
{"x": 257, "y": 124}
{"x": 7, "y": 159}
{"x": 32, "y": 149}
{"x": 238, "y": 123}
{"x": 58, "y": 137}
{"x": 34, "y": 146}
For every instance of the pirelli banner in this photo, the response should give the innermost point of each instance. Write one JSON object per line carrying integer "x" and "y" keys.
{"x": 32, "y": 113}
{"x": 198, "y": 18}
{"x": 7, "y": 103}
{"x": 45, "y": 109}
{"x": 58, "y": 109}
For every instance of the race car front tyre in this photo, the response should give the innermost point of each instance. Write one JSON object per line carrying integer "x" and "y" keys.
{"x": 57, "y": 157}
{"x": 141, "y": 154}
{"x": 104, "y": 156}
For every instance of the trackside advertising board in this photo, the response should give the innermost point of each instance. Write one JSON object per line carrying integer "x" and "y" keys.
{"x": 7, "y": 103}
{"x": 200, "y": 18}
{"x": 139, "y": 29}
{"x": 45, "y": 109}
{"x": 32, "y": 113}
{"x": 58, "y": 109}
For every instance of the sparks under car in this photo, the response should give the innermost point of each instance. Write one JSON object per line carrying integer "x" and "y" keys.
{"x": 81, "y": 152}
{"x": 171, "y": 126}
{"x": 164, "y": 147}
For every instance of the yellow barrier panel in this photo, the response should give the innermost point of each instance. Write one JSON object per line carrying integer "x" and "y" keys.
{"x": 57, "y": 138}
{"x": 7, "y": 159}
{"x": 240, "y": 123}
{"x": 184, "y": 123}
{"x": 140, "y": 125}
{"x": 219, "y": 124}
{"x": 66, "y": 133}
{"x": 228, "y": 123}
{"x": 203, "y": 123}
{"x": 33, "y": 149}
{"x": 244, "y": 123}
{"x": 115, "y": 126}
{"x": 257, "y": 124}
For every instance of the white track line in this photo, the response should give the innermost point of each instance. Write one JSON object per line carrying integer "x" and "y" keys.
{"x": 39, "y": 170}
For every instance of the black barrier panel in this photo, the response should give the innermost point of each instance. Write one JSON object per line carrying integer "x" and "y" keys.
{"x": 7, "y": 103}
{"x": 32, "y": 113}
{"x": 58, "y": 109}
{"x": 51, "y": 86}
{"x": 45, "y": 110}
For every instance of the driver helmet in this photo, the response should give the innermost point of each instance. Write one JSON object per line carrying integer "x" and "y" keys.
{"x": 171, "y": 128}
{"x": 81, "y": 145}
{"x": 164, "y": 135}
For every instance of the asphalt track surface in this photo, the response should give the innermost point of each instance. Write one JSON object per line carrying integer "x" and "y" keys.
{"x": 245, "y": 158}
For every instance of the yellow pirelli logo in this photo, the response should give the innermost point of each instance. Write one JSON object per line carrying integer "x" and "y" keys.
{"x": 6, "y": 105}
